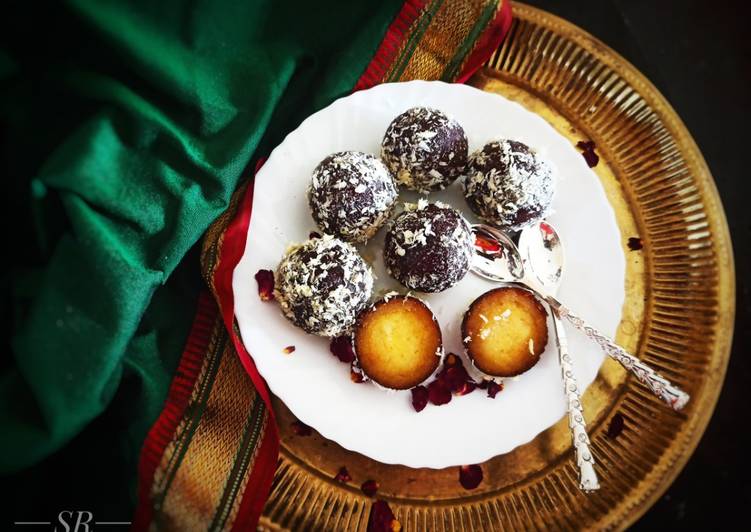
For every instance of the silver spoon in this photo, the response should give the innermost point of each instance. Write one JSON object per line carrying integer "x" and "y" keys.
{"x": 499, "y": 259}
{"x": 542, "y": 252}
{"x": 505, "y": 262}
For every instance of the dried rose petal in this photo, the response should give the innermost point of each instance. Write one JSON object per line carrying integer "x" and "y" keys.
{"x": 419, "y": 398}
{"x": 467, "y": 388}
{"x": 314, "y": 234}
{"x": 342, "y": 475}
{"x": 588, "y": 151}
{"x": 341, "y": 348}
{"x": 369, "y": 487}
{"x": 592, "y": 158}
{"x": 456, "y": 377}
{"x": 355, "y": 376}
{"x": 635, "y": 243}
{"x": 382, "y": 519}
{"x": 483, "y": 384}
{"x": 289, "y": 350}
{"x": 439, "y": 393}
{"x": 616, "y": 426}
{"x": 301, "y": 429}
{"x": 265, "y": 280}
{"x": 453, "y": 373}
{"x": 470, "y": 476}
{"x": 494, "y": 388}
{"x": 450, "y": 361}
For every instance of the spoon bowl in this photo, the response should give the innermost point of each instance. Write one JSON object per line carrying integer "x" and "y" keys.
{"x": 496, "y": 256}
{"x": 543, "y": 254}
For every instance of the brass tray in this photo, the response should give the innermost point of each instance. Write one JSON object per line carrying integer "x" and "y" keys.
{"x": 678, "y": 316}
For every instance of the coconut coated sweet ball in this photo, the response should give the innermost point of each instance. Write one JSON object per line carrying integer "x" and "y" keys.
{"x": 508, "y": 185}
{"x": 425, "y": 149}
{"x": 351, "y": 195}
{"x": 429, "y": 247}
{"x": 322, "y": 286}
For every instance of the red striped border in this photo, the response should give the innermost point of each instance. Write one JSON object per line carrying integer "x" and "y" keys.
{"x": 232, "y": 250}
{"x": 180, "y": 392}
{"x": 390, "y": 45}
{"x": 262, "y": 473}
{"x": 489, "y": 41}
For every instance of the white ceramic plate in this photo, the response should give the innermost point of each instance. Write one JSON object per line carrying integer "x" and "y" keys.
{"x": 383, "y": 425}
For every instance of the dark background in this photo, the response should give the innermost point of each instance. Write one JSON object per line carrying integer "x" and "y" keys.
{"x": 698, "y": 54}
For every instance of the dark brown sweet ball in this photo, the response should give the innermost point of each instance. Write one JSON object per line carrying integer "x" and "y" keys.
{"x": 425, "y": 149}
{"x": 351, "y": 195}
{"x": 322, "y": 285}
{"x": 429, "y": 247}
{"x": 508, "y": 185}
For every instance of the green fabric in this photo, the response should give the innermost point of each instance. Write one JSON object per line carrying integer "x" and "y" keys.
{"x": 125, "y": 128}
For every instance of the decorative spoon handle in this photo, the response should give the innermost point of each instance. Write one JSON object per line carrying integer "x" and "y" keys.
{"x": 576, "y": 423}
{"x": 660, "y": 386}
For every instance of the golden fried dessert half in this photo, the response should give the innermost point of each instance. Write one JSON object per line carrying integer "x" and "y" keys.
{"x": 505, "y": 331}
{"x": 398, "y": 342}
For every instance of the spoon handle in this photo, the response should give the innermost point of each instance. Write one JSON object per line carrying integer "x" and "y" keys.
{"x": 576, "y": 423}
{"x": 660, "y": 386}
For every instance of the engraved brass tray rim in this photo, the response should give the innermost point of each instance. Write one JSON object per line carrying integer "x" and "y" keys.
{"x": 644, "y": 491}
{"x": 632, "y": 508}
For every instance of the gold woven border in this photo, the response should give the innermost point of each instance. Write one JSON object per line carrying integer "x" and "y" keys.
{"x": 202, "y": 474}
{"x": 438, "y": 36}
